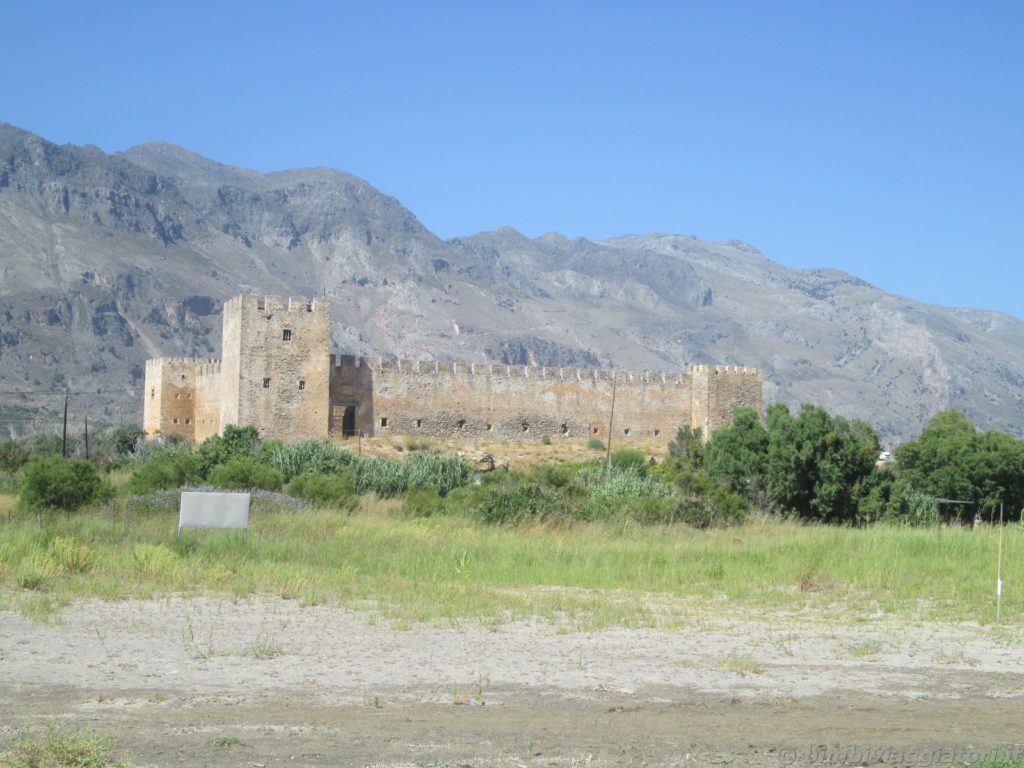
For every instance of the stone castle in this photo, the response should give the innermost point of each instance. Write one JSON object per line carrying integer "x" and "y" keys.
{"x": 277, "y": 374}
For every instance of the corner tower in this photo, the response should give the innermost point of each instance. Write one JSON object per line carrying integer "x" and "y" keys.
{"x": 718, "y": 389}
{"x": 275, "y": 366}
{"x": 169, "y": 404}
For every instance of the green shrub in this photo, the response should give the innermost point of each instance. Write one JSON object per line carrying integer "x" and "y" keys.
{"x": 243, "y": 473}
{"x": 417, "y": 443}
{"x": 629, "y": 459}
{"x": 467, "y": 500}
{"x": 596, "y": 444}
{"x": 336, "y": 491}
{"x": 57, "y": 483}
{"x": 164, "y": 470}
{"x": 644, "y": 510}
{"x": 59, "y": 747}
{"x": 705, "y": 503}
{"x": 51, "y": 445}
{"x": 320, "y": 456}
{"x": 381, "y": 475}
{"x": 155, "y": 560}
{"x": 126, "y": 440}
{"x": 444, "y": 472}
{"x": 559, "y": 476}
{"x": 35, "y": 571}
{"x": 13, "y": 456}
{"x": 235, "y": 443}
{"x": 545, "y": 440}
{"x": 424, "y": 502}
{"x": 602, "y": 481}
{"x": 519, "y": 503}
{"x": 389, "y": 477}
{"x": 69, "y": 555}
{"x": 9, "y": 481}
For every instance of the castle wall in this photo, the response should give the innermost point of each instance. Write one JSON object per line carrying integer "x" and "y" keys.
{"x": 507, "y": 402}
{"x": 207, "y": 400}
{"x": 170, "y": 397}
{"x": 275, "y": 366}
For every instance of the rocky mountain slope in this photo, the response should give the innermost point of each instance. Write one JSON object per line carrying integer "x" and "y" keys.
{"x": 107, "y": 260}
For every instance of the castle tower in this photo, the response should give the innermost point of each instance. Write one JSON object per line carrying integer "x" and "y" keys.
{"x": 718, "y": 389}
{"x": 275, "y": 367}
{"x": 169, "y": 405}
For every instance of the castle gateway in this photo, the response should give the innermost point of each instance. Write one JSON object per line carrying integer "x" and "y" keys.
{"x": 276, "y": 373}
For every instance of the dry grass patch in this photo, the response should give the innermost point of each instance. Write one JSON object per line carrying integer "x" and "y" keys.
{"x": 7, "y": 502}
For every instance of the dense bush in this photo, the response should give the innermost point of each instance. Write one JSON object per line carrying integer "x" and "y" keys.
{"x": 704, "y": 503}
{"x": 814, "y": 464}
{"x": 687, "y": 449}
{"x": 245, "y": 473}
{"x": 629, "y": 459}
{"x": 519, "y": 503}
{"x": 596, "y": 444}
{"x": 126, "y": 440}
{"x": 337, "y": 491}
{"x": 235, "y": 443}
{"x": 952, "y": 460}
{"x": 58, "y": 483}
{"x": 468, "y": 500}
{"x": 312, "y": 456}
{"x": 425, "y": 502}
{"x": 604, "y": 482}
{"x": 51, "y": 445}
{"x": 163, "y": 470}
{"x": 444, "y": 472}
{"x": 9, "y": 481}
{"x": 381, "y": 475}
{"x": 645, "y": 510}
{"x": 390, "y": 477}
{"x": 13, "y": 456}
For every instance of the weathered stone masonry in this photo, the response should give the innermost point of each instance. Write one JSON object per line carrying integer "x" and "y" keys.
{"x": 277, "y": 374}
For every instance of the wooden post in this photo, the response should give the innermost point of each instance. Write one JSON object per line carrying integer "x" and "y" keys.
{"x": 611, "y": 420}
{"x": 64, "y": 441}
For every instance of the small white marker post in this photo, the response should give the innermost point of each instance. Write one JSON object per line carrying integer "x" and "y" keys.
{"x": 999, "y": 567}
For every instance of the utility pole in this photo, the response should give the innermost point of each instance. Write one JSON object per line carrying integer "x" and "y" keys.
{"x": 64, "y": 442}
{"x": 611, "y": 419}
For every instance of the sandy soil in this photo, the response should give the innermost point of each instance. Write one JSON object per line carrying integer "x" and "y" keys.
{"x": 272, "y": 682}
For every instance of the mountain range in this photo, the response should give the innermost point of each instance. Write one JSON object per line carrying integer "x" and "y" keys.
{"x": 109, "y": 259}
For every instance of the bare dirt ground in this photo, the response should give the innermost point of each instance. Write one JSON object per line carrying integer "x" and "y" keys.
{"x": 262, "y": 682}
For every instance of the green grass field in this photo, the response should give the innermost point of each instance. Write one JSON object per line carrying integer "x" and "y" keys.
{"x": 447, "y": 568}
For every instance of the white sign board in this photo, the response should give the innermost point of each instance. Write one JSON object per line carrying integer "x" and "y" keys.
{"x": 213, "y": 510}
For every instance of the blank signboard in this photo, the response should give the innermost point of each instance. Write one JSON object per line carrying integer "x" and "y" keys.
{"x": 200, "y": 509}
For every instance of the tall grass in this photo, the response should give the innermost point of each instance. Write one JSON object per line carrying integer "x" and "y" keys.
{"x": 592, "y": 574}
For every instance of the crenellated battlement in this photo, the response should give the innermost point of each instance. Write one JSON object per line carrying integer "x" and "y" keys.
{"x": 158, "y": 362}
{"x": 343, "y": 363}
{"x": 740, "y": 369}
{"x": 293, "y": 304}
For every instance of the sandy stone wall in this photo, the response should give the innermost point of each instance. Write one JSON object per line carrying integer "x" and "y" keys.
{"x": 441, "y": 399}
{"x": 207, "y": 400}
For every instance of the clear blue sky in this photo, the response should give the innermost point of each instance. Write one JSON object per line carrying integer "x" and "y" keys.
{"x": 883, "y": 138}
